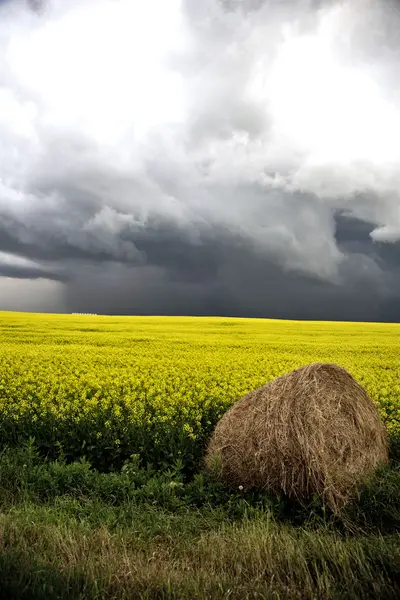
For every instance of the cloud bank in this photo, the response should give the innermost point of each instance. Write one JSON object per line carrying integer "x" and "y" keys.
{"x": 214, "y": 157}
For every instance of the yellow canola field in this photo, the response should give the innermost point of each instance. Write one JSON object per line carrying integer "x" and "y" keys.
{"x": 108, "y": 387}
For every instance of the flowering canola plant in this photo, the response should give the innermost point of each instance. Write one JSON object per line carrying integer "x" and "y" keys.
{"x": 109, "y": 387}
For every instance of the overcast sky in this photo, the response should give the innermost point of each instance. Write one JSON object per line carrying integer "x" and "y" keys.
{"x": 228, "y": 157}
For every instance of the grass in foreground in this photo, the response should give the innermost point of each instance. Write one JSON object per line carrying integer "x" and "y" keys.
{"x": 68, "y": 531}
{"x": 253, "y": 559}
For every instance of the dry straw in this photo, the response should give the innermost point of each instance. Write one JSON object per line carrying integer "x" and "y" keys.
{"x": 314, "y": 430}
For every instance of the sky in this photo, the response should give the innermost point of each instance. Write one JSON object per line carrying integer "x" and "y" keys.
{"x": 222, "y": 157}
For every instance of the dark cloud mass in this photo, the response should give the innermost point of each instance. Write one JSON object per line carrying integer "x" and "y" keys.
{"x": 231, "y": 157}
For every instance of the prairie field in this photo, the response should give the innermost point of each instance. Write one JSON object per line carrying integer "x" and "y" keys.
{"x": 109, "y": 387}
{"x": 103, "y": 426}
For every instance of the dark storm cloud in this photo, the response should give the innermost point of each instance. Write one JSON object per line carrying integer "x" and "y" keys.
{"x": 353, "y": 235}
{"x": 216, "y": 157}
{"x": 242, "y": 284}
{"x": 19, "y": 272}
{"x": 350, "y": 229}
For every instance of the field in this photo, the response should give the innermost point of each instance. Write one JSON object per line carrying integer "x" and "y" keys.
{"x": 103, "y": 424}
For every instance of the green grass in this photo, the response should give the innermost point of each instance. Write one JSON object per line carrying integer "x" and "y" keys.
{"x": 69, "y": 531}
{"x": 253, "y": 559}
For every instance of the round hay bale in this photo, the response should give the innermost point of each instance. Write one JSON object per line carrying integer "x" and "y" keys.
{"x": 314, "y": 430}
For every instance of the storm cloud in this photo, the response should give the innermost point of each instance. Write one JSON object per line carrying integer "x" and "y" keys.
{"x": 235, "y": 157}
